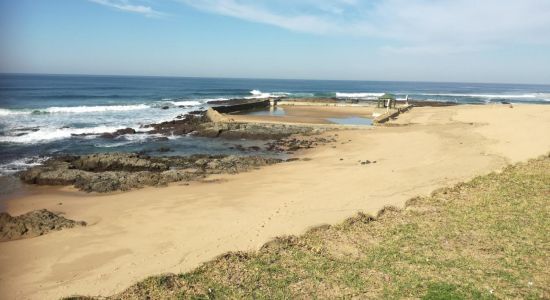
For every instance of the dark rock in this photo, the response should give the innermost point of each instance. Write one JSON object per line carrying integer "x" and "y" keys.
{"x": 181, "y": 126}
{"x": 112, "y": 135}
{"x": 121, "y": 172}
{"x": 295, "y": 144}
{"x": 165, "y": 107}
{"x": 130, "y": 162}
{"x": 33, "y": 224}
{"x": 197, "y": 112}
{"x": 199, "y": 124}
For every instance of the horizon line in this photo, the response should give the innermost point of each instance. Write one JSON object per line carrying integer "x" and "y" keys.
{"x": 262, "y": 78}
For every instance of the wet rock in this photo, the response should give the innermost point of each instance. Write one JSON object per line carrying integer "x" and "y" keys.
{"x": 116, "y": 162}
{"x": 200, "y": 125}
{"x": 160, "y": 139}
{"x": 32, "y": 224}
{"x": 165, "y": 107}
{"x": 182, "y": 126}
{"x": 108, "y": 172}
{"x": 197, "y": 112}
{"x": 112, "y": 135}
{"x": 297, "y": 143}
{"x": 232, "y": 101}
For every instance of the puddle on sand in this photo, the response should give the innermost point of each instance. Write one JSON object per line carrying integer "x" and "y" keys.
{"x": 351, "y": 121}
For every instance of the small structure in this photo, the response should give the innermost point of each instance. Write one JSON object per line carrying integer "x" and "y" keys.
{"x": 386, "y": 100}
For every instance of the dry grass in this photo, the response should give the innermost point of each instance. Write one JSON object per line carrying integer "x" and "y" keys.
{"x": 487, "y": 238}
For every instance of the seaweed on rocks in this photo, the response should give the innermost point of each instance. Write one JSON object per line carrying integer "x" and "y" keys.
{"x": 199, "y": 124}
{"x": 107, "y": 172}
{"x": 293, "y": 144}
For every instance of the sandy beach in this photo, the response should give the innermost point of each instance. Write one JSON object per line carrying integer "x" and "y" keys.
{"x": 136, "y": 234}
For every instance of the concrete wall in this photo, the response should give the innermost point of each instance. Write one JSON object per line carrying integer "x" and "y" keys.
{"x": 392, "y": 113}
{"x": 227, "y": 109}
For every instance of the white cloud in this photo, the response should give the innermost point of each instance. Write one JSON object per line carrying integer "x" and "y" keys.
{"x": 126, "y": 6}
{"x": 458, "y": 24}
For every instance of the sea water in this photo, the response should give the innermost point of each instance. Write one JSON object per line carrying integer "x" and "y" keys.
{"x": 45, "y": 115}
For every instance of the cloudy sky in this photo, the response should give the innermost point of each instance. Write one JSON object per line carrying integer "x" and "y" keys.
{"x": 422, "y": 40}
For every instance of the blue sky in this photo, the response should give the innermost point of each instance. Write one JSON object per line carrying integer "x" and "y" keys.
{"x": 425, "y": 40}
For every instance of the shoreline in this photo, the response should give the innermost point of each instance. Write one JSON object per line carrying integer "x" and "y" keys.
{"x": 431, "y": 148}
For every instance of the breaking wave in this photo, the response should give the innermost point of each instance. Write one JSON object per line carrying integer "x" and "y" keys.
{"x": 73, "y": 109}
{"x": 50, "y": 134}
{"x": 21, "y": 164}
{"x": 496, "y": 96}
{"x": 358, "y": 95}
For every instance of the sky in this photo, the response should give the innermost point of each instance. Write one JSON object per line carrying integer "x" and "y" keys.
{"x": 411, "y": 40}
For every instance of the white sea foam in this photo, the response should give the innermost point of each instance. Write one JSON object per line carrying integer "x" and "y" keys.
{"x": 494, "y": 96}
{"x": 187, "y": 103}
{"x": 73, "y": 109}
{"x": 257, "y": 94}
{"x": 128, "y": 139}
{"x": 8, "y": 112}
{"x": 50, "y": 134}
{"x": 358, "y": 95}
{"x": 21, "y": 164}
{"x": 92, "y": 109}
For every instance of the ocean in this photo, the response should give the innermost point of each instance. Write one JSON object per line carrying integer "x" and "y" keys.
{"x": 45, "y": 115}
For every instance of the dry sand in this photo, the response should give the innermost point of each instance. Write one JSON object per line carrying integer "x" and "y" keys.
{"x": 156, "y": 230}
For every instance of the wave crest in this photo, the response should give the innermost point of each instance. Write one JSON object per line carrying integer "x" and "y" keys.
{"x": 50, "y": 134}
{"x": 73, "y": 109}
{"x": 358, "y": 95}
{"x": 93, "y": 109}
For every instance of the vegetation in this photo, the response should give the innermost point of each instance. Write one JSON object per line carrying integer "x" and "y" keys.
{"x": 488, "y": 238}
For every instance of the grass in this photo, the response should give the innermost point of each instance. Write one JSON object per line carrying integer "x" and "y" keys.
{"x": 484, "y": 239}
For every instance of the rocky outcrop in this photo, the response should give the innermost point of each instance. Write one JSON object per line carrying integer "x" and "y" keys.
{"x": 182, "y": 125}
{"x": 241, "y": 106}
{"x": 292, "y": 144}
{"x": 32, "y": 224}
{"x": 109, "y": 172}
{"x": 112, "y": 135}
{"x": 256, "y": 131}
{"x": 102, "y": 162}
{"x": 202, "y": 125}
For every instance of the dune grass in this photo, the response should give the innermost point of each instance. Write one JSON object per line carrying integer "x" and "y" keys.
{"x": 484, "y": 239}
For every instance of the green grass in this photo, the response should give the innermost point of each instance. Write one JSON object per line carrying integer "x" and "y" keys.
{"x": 484, "y": 239}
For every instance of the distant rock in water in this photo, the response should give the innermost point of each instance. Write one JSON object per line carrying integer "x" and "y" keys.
{"x": 32, "y": 224}
{"x": 112, "y": 135}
